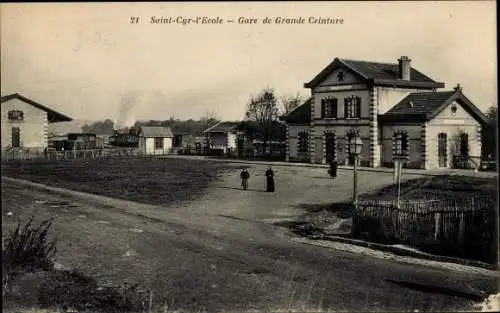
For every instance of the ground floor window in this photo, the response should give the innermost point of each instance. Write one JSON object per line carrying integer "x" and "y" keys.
{"x": 400, "y": 144}
{"x": 16, "y": 137}
{"x": 303, "y": 143}
{"x": 464, "y": 144}
{"x": 158, "y": 143}
{"x": 330, "y": 147}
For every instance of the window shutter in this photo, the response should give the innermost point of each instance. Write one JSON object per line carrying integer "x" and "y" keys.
{"x": 358, "y": 107}
{"x": 323, "y": 107}
{"x": 346, "y": 108}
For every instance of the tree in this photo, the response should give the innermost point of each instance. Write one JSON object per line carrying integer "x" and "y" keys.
{"x": 209, "y": 118}
{"x": 263, "y": 110}
{"x": 99, "y": 127}
{"x": 290, "y": 103}
{"x": 489, "y": 133}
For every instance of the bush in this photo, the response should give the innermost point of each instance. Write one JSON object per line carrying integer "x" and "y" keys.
{"x": 27, "y": 248}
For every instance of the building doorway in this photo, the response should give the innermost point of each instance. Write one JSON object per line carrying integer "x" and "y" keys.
{"x": 464, "y": 145}
{"x": 239, "y": 145}
{"x": 16, "y": 137}
{"x": 330, "y": 147}
{"x": 443, "y": 150}
{"x": 350, "y": 157}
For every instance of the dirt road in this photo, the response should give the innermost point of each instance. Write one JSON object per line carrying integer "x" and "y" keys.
{"x": 194, "y": 260}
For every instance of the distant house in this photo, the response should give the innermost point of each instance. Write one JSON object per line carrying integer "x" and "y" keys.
{"x": 378, "y": 102}
{"x": 222, "y": 138}
{"x": 25, "y": 123}
{"x": 155, "y": 140}
{"x": 179, "y": 139}
{"x": 250, "y": 141}
{"x": 56, "y": 142}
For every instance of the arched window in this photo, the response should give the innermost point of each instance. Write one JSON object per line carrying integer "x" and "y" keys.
{"x": 400, "y": 144}
{"x": 303, "y": 144}
{"x": 16, "y": 137}
{"x": 464, "y": 144}
{"x": 443, "y": 150}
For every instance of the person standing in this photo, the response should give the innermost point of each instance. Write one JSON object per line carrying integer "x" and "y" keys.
{"x": 270, "y": 180}
{"x": 245, "y": 175}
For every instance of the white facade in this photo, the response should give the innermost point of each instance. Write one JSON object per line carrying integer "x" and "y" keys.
{"x": 223, "y": 141}
{"x": 32, "y": 129}
{"x": 452, "y": 124}
{"x": 148, "y": 145}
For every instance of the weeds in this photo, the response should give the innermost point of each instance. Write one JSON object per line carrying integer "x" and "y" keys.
{"x": 27, "y": 249}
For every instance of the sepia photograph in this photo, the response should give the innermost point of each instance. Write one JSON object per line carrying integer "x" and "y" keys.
{"x": 258, "y": 156}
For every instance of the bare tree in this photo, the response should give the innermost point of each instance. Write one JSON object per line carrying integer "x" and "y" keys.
{"x": 263, "y": 110}
{"x": 290, "y": 103}
{"x": 209, "y": 118}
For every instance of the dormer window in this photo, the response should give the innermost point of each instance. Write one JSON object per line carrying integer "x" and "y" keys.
{"x": 340, "y": 76}
{"x": 15, "y": 115}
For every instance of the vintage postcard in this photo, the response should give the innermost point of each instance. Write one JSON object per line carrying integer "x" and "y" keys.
{"x": 249, "y": 156}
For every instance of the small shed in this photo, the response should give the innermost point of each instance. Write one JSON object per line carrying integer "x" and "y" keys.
{"x": 155, "y": 140}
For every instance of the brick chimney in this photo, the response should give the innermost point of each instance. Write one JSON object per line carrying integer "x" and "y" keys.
{"x": 404, "y": 68}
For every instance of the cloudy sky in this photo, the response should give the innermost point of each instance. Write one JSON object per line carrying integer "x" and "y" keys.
{"x": 90, "y": 62}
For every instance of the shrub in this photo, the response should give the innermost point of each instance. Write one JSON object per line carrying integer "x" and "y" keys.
{"x": 27, "y": 248}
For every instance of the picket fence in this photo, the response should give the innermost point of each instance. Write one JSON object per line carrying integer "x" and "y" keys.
{"x": 18, "y": 155}
{"x": 447, "y": 226}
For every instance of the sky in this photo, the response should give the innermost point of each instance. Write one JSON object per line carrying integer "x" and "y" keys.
{"x": 89, "y": 61}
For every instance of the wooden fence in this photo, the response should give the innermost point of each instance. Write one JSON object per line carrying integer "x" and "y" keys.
{"x": 17, "y": 155}
{"x": 456, "y": 227}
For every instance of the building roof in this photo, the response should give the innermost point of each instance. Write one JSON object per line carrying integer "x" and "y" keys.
{"x": 377, "y": 73}
{"x": 155, "y": 131}
{"x": 222, "y": 127}
{"x": 427, "y": 105}
{"x": 52, "y": 115}
{"x": 300, "y": 115}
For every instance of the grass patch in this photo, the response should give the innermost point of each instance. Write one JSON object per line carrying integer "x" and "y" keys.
{"x": 146, "y": 180}
{"x": 439, "y": 187}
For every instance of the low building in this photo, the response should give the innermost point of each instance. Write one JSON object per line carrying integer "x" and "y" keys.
{"x": 155, "y": 140}
{"x": 25, "y": 123}
{"x": 222, "y": 138}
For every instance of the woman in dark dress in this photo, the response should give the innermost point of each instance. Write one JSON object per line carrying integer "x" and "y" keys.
{"x": 245, "y": 175}
{"x": 270, "y": 180}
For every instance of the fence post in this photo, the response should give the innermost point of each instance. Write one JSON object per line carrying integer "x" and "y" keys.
{"x": 461, "y": 228}
{"x": 437, "y": 228}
